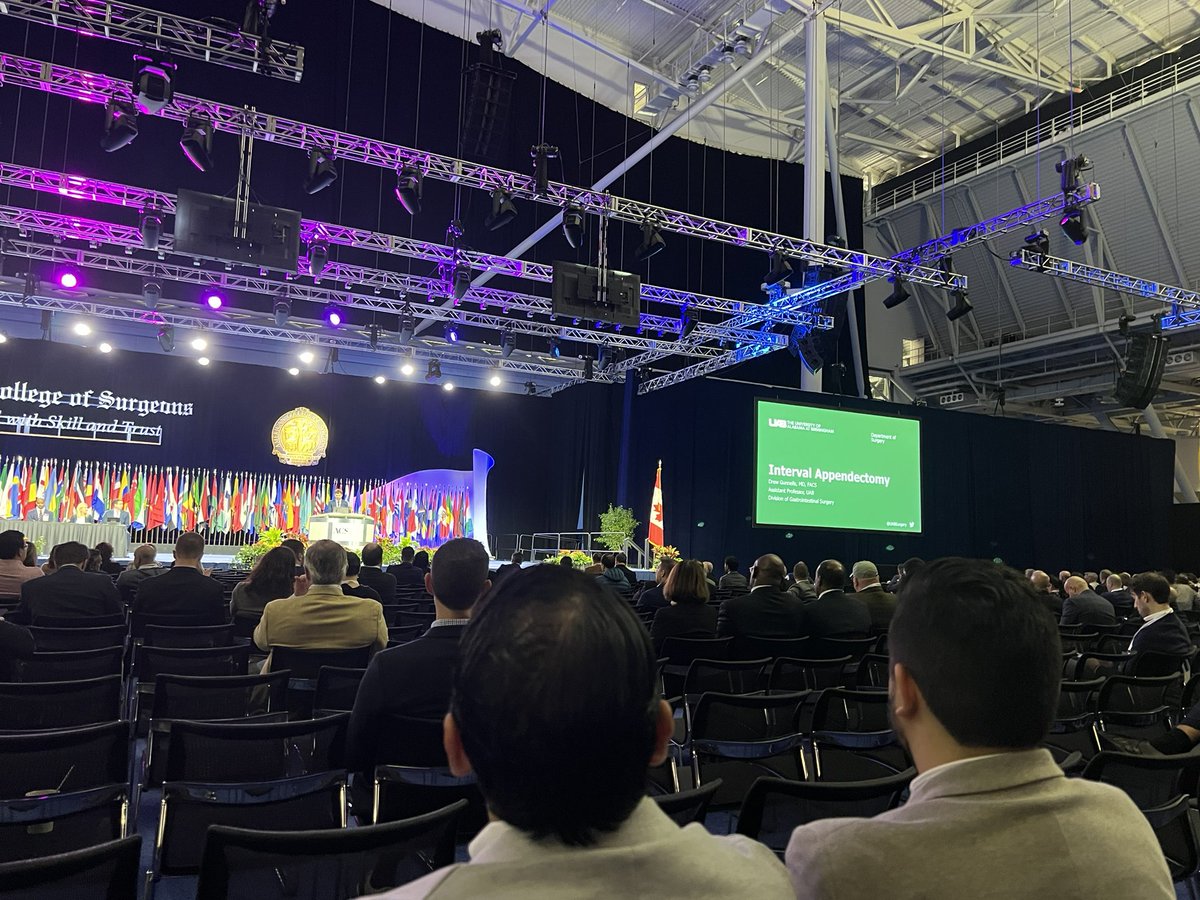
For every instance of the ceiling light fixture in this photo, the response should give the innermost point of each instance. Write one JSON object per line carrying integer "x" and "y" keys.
{"x": 151, "y": 293}
{"x": 899, "y": 293}
{"x": 333, "y": 316}
{"x": 433, "y": 371}
{"x": 120, "y": 126}
{"x": 282, "y": 308}
{"x": 409, "y": 188}
{"x": 203, "y": 360}
{"x": 196, "y": 143}
{"x": 504, "y": 210}
{"x": 83, "y": 329}
{"x": 214, "y": 301}
{"x": 105, "y": 347}
{"x": 652, "y": 242}
{"x": 572, "y": 226}
{"x": 318, "y": 257}
{"x": 307, "y": 356}
{"x": 321, "y": 171}
{"x": 778, "y": 269}
{"x": 166, "y": 338}
{"x": 379, "y": 379}
{"x": 199, "y": 343}
{"x": 152, "y": 85}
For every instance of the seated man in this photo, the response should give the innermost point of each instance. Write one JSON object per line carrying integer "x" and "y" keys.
{"x": 990, "y": 814}
{"x": 13, "y": 571}
{"x": 322, "y": 618}
{"x": 835, "y": 613}
{"x": 1118, "y": 595}
{"x": 613, "y": 578}
{"x": 561, "y": 758}
{"x": 372, "y": 575}
{"x": 145, "y": 565}
{"x": 1046, "y": 594}
{"x": 733, "y": 581}
{"x": 107, "y": 565}
{"x": 864, "y": 577}
{"x": 768, "y": 610}
{"x": 68, "y": 592}
{"x": 185, "y": 589}
{"x": 352, "y": 586}
{"x": 1083, "y": 606}
{"x": 414, "y": 678}
{"x": 409, "y": 579}
{"x": 1163, "y": 631}
{"x": 653, "y": 598}
{"x": 516, "y": 561}
{"x": 802, "y": 585}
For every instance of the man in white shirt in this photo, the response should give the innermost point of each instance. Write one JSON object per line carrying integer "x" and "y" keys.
{"x": 13, "y": 571}
{"x": 990, "y": 814}
{"x": 554, "y": 708}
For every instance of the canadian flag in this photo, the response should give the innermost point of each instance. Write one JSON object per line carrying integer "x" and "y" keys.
{"x": 656, "y": 510}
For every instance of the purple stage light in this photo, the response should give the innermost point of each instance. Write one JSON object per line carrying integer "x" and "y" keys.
{"x": 333, "y": 316}
{"x": 68, "y": 279}
{"x": 214, "y": 301}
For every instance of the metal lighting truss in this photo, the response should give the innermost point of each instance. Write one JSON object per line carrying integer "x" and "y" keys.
{"x": 95, "y": 88}
{"x": 307, "y": 332}
{"x": 162, "y": 31}
{"x": 142, "y": 199}
{"x": 1185, "y": 304}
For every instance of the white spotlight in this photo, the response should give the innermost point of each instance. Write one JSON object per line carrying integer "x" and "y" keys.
{"x": 293, "y": 371}
{"x": 306, "y": 357}
{"x": 105, "y": 347}
{"x": 407, "y": 369}
{"x": 204, "y": 360}
{"x": 83, "y": 329}
{"x": 379, "y": 379}
{"x": 448, "y": 386}
{"x": 199, "y": 343}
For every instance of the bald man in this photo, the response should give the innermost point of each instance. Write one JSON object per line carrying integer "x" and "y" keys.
{"x": 835, "y": 613}
{"x": 1046, "y": 593}
{"x": 1084, "y": 606}
{"x": 768, "y": 610}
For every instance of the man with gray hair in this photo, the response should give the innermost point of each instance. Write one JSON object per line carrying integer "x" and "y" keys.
{"x": 882, "y": 605}
{"x": 145, "y": 565}
{"x": 320, "y": 616}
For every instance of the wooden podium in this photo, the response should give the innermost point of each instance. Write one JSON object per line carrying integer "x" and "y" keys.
{"x": 348, "y": 529}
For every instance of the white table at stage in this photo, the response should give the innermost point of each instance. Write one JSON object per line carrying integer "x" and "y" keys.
{"x": 47, "y": 534}
{"x": 348, "y": 529}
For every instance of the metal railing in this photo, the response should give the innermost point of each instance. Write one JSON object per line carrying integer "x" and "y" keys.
{"x": 1153, "y": 87}
{"x": 550, "y": 543}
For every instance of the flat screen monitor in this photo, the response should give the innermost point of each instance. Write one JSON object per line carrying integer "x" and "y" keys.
{"x": 204, "y": 226}
{"x": 579, "y": 294}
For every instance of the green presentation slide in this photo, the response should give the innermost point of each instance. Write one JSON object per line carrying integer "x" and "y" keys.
{"x": 826, "y": 468}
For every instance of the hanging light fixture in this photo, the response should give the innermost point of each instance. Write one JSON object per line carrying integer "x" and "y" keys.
{"x": 409, "y": 186}
{"x": 196, "y": 142}
{"x": 321, "y": 171}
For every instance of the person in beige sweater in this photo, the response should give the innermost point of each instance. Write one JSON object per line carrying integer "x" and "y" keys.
{"x": 319, "y": 616}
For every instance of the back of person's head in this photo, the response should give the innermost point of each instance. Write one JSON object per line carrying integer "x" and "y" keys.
{"x": 1074, "y": 585}
{"x": 864, "y": 570}
{"x": 459, "y": 574}
{"x": 105, "y": 550}
{"x": 608, "y": 561}
{"x": 1090, "y": 577}
{"x": 831, "y": 575}
{"x": 517, "y": 558}
{"x": 372, "y": 555}
{"x": 273, "y": 576}
{"x": 687, "y": 583}
{"x": 1181, "y": 579}
{"x": 622, "y": 559}
{"x": 1126, "y": 579}
{"x": 407, "y": 554}
{"x": 144, "y": 555}
{"x": 71, "y": 553}
{"x": 597, "y": 558}
{"x": 1104, "y": 574}
{"x": 325, "y": 562}
{"x": 12, "y": 544}
{"x": 296, "y": 547}
{"x": 663, "y": 571}
{"x": 911, "y": 566}
{"x": 353, "y": 565}
{"x": 1113, "y": 582}
{"x": 985, "y": 691}
{"x": 566, "y": 562}
{"x": 800, "y": 571}
{"x": 769, "y": 569}
{"x": 93, "y": 561}
{"x": 31, "y": 553}
{"x": 421, "y": 560}
{"x": 708, "y": 567}
{"x": 1153, "y": 584}
{"x": 189, "y": 546}
{"x": 1040, "y": 581}
{"x": 731, "y": 564}
{"x": 558, "y": 751}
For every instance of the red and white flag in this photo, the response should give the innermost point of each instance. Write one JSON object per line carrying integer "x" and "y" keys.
{"x": 656, "y": 510}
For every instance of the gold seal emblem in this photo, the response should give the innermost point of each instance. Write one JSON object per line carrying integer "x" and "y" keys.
{"x": 299, "y": 437}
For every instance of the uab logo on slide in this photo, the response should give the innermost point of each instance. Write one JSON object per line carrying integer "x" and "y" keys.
{"x": 779, "y": 423}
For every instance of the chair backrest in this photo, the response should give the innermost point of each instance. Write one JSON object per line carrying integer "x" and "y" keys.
{"x": 346, "y": 863}
{"x": 404, "y": 617}
{"x": 689, "y": 806}
{"x": 1150, "y": 781}
{"x": 747, "y": 647}
{"x": 680, "y": 651}
{"x": 244, "y": 625}
{"x": 73, "y": 759}
{"x": 1079, "y": 641}
{"x": 1113, "y": 643}
{"x": 78, "y": 621}
{"x": 189, "y": 809}
{"x": 104, "y": 872}
{"x": 209, "y": 698}
{"x": 308, "y": 663}
{"x": 1132, "y": 694}
{"x": 337, "y": 687}
{"x": 189, "y": 636}
{"x": 226, "y": 753}
{"x": 832, "y": 648}
{"x": 852, "y": 737}
{"x": 1177, "y": 827}
{"x": 841, "y": 710}
{"x": 788, "y": 675}
{"x": 402, "y": 634}
{"x": 1151, "y": 663}
{"x": 42, "y": 706}
{"x": 71, "y": 665}
{"x": 873, "y": 671}
{"x": 52, "y": 823}
{"x": 725, "y": 676}
{"x": 50, "y": 639}
{"x": 138, "y": 622}
{"x": 774, "y": 807}
{"x": 1078, "y": 698}
{"x": 410, "y": 741}
{"x": 150, "y": 662}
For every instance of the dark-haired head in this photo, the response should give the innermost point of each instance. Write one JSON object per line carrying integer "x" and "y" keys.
{"x": 686, "y": 583}
{"x": 273, "y": 576}
{"x": 353, "y": 564}
{"x": 558, "y": 751}
{"x": 421, "y": 560}
{"x": 297, "y": 548}
{"x": 731, "y": 564}
{"x": 459, "y": 576}
{"x": 983, "y": 653}
{"x": 12, "y": 544}
{"x": 407, "y": 554}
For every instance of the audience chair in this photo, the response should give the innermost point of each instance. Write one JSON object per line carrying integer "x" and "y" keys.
{"x": 336, "y": 689}
{"x": 834, "y": 648}
{"x": 717, "y": 676}
{"x": 1113, "y": 664}
{"x": 774, "y": 807}
{"x": 686, "y": 807}
{"x": 1191, "y": 694}
{"x": 61, "y": 639}
{"x": 244, "y": 625}
{"x": 71, "y": 759}
{"x": 1113, "y": 643}
{"x": 149, "y": 662}
{"x": 1071, "y": 730}
{"x": 881, "y": 644}
{"x": 43, "y": 706}
{"x": 1072, "y": 764}
{"x": 680, "y": 651}
{"x": 739, "y": 738}
{"x": 788, "y": 675}
{"x": 852, "y": 737}
{"x": 1150, "y": 781}
{"x": 104, "y": 872}
{"x": 230, "y": 753}
{"x": 756, "y": 647}
{"x": 189, "y": 636}
{"x": 305, "y": 666}
{"x": 403, "y": 634}
{"x": 1135, "y": 707}
{"x": 78, "y": 621}
{"x": 1078, "y": 641}
{"x": 1177, "y": 827}
{"x": 1151, "y": 663}
{"x": 344, "y": 863}
{"x": 188, "y": 810}
{"x": 873, "y": 672}
{"x": 71, "y": 665}
{"x": 51, "y": 823}
{"x": 424, "y": 619}
{"x": 138, "y": 622}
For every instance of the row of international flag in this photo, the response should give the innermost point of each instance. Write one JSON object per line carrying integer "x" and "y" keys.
{"x": 223, "y": 501}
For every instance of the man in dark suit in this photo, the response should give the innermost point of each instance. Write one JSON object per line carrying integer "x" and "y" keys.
{"x": 1047, "y": 596}
{"x": 510, "y": 567}
{"x": 414, "y": 678}
{"x": 882, "y": 605}
{"x": 184, "y": 589}
{"x": 409, "y": 579}
{"x": 68, "y": 592}
{"x": 1163, "y": 631}
{"x": 653, "y": 598}
{"x": 801, "y": 585}
{"x": 352, "y": 584}
{"x": 835, "y": 613}
{"x": 733, "y": 581}
{"x": 372, "y": 575}
{"x": 768, "y": 610}
{"x": 1084, "y": 606}
{"x": 1118, "y": 594}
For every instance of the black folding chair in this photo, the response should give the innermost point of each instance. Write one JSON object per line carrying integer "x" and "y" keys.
{"x": 149, "y": 662}
{"x": 138, "y": 622}
{"x": 43, "y": 706}
{"x": 336, "y": 689}
{"x": 852, "y": 738}
{"x": 775, "y": 807}
{"x": 78, "y": 621}
{"x": 229, "y": 753}
{"x": 334, "y": 864}
{"x": 1071, "y": 730}
{"x": 59, "y": 639}
{"x": 104, "y": 872}
{"x": 788, "y": 675}
{"x": 244, "y": 625}
{"x": 71, "y": 665}
{"x": 53, "y": 823}
{"x": 873, "y": 672}
{"x": 404, "y": 617}
{"x": 1135, "y": 707}
{"x": 746, "y": 647}
{"x": 189, "y": 636}
{"x": 1177, "y": 827}
{"x": 403, "y": 634}
{"x": 306, "y": 665}
{"x": 833, "y": 648}
{"x": 685, "y": 807}
{"x": 70, "y": 759}
{"x": 679, "y": 653}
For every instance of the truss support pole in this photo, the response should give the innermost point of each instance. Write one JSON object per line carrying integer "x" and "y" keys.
{"x": 816, "y": 100}
{"x": 1183, "y": 484}
{"x": 839, "y": 212}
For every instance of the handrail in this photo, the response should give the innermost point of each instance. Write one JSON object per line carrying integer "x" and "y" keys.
{"x": 548, "y": 542}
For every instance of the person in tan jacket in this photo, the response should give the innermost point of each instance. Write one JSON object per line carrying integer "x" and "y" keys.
{"x": 974, "y": 683}
{"x": 321, "y": 617}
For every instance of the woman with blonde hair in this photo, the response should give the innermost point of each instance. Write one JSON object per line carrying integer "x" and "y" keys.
{"x": 689, "y": 614}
